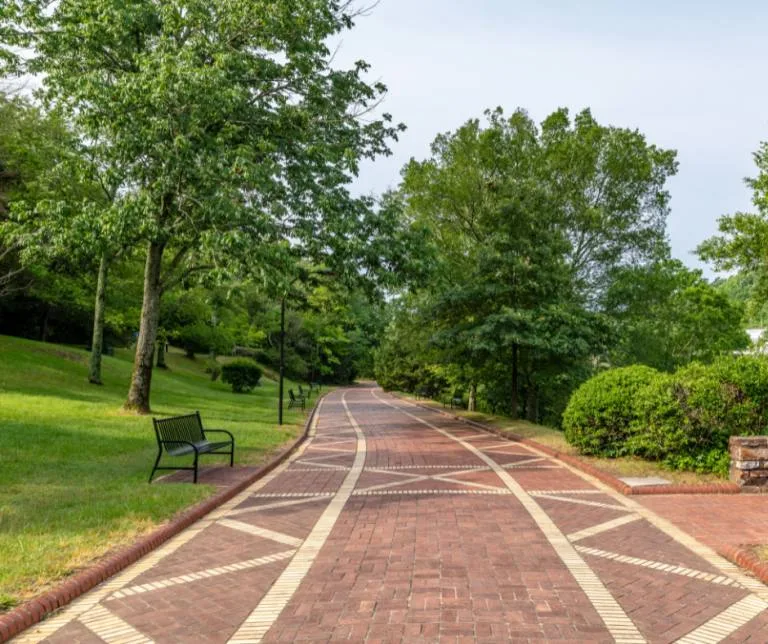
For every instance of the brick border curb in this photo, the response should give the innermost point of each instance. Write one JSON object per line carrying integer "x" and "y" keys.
{"x": 35, "y": 610}
{"x": 604, "y": 477}
{"x": 746, "y": 560}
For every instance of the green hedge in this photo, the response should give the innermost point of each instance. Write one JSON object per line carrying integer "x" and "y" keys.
{"x": 600, "y": 414}
{"x": 242, "y": 374}
{"x": 686, "y": 419}
{"x": 683, "y": 419}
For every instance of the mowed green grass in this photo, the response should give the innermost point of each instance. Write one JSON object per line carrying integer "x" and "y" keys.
{"x": 74, "y": 465}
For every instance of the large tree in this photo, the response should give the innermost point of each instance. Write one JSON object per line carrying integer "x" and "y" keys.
{"x": 237, "y": 134}
{"x": 669, "y": 315}
{"x": 530, "y": 222}
{"x": 32, "y": 145}
{"x": 743, "y": 240}
{"x": 608, "y": 184}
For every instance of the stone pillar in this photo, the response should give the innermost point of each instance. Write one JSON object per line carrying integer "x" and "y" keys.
{"x": 749, "y": 462}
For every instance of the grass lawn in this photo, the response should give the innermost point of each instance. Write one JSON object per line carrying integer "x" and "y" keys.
{"x": 74, "y": 465}
{"x": 555, "y": 439}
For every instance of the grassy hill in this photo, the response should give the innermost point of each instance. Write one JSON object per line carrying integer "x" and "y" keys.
{"x": 74, "y": 465}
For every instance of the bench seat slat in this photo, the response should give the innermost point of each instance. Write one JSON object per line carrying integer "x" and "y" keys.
{"x": 204, "y": 447}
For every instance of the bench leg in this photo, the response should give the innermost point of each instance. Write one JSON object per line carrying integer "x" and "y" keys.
{"x": 232, "y": 456}
{"x": 195, "y": 476}
{"x": 154, "y": 467}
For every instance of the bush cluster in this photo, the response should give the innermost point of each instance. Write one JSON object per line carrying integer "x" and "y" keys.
{"x": 683, "y": 419}
{"x": 599, "y": 417}
{"x": 243, "y": 374}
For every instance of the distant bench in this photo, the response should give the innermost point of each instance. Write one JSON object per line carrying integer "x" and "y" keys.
{"x": 296, "y": 401}
{"x": 180, "y": 435}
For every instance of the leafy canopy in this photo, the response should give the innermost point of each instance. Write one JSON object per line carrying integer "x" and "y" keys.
{"x": 226, "y": 118}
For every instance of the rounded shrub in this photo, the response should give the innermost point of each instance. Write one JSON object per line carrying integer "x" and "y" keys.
{"x": 686, "y": 418}
{"x": 242, "y": 374}
{"x": 600, "y": 414}
{"x": 659, "y": 425}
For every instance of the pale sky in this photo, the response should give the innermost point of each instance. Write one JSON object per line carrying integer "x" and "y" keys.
{"x": 689, "y": 75}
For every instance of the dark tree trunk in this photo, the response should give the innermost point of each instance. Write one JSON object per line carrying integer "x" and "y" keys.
{"x": 532, "y": 405}
{"x": 44, "y": 324}
{"x": 515, "y": 413}
{"x": 97, "y": 342}
{"x": 141, "y": 380}
{"x": 161, "y": 355}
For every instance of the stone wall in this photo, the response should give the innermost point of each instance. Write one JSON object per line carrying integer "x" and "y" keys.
{"x": 749, "y": 462}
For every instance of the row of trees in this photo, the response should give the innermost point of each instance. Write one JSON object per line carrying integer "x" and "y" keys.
{"x": 214, "y": 140}
{"x": 549, "y": 260}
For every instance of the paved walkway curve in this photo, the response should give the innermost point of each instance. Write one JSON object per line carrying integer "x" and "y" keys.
{"x": 394, "y": 523}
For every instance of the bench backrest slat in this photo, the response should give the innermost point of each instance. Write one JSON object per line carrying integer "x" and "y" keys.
{"x": 179, "y": 428}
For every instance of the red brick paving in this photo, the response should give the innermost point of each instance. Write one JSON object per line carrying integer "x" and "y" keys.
{"x": 571, "y": 517}
{"x": 715, "y": 520}
{"x": 436, "y": 567}
{"x": 222, "y": 477}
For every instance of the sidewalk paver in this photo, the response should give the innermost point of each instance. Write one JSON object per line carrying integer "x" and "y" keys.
{"x": 396, "y": 524}
{"x": 717, "y": 520}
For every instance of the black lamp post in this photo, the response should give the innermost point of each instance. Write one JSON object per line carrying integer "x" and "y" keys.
{"x": 282, "y": 360}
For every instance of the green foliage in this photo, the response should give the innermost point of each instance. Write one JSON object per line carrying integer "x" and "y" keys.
{"x": 668, "y": 315}
{"x": 233, "y": 140}
{"x": 606, "y": 185}
{"x": 659, "y": 420}
{"x": 742, "y": 288}
{"x": 743, "y": 237}
{"x": 683, "y": 419}
{"x": 714, "y": 461}
{"x": 33, "y": 146}
{"x": 529, "y": 224}
{"x": 213, "y": 368}
{"x": 243, "y": 374}
{"x": 404, "y": 349}
{"x": 200, "y": 337}
{"x": 601, "y": 413}
{"x": 698, "y": 408}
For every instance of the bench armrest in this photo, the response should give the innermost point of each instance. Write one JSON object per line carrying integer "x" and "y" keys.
{"x": 219, "y": 431}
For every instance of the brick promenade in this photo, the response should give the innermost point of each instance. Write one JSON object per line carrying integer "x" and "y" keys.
{"x": 395, "y": 524}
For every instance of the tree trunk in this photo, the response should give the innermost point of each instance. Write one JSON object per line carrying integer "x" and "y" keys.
{"x": 44, "y": 324}
{"x": 514, "y": 413}
{"x": 161, "y": 354}
{"x": 138, "y": 395}
{"x": 472, "y": 402}
{"x": 97, "y": 343}
{"x": 532, "y": 405}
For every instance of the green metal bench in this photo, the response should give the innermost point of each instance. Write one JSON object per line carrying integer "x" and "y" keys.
{"x": 455, "y": 400}
{"x": 294, "y": 400}
{"x": 180, "y": 435}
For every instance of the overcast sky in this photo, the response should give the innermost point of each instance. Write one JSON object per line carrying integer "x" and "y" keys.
{"x": 689, "y": 75}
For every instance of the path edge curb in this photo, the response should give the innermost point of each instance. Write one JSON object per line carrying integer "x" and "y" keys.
{"x": 38, "y": 608}
{"x": 604, "y": 477}
{"x": 745, "y": 559}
